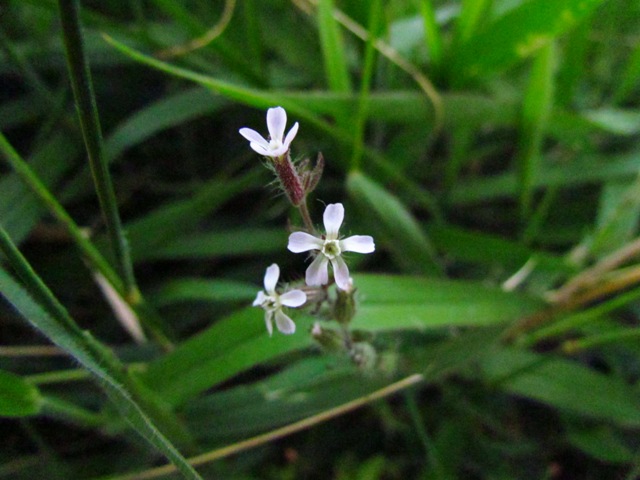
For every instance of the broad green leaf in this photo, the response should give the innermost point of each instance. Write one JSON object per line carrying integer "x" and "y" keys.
{"x": 519, "y": 33}
{"x": 386, "y": 303}
{"x": 487, "y": 249}
{"x": 401, "y": 303}
{"x": 230, "y": 346}
{"x": 18, "y": 398}
{"x": 405, "y": 238}
{"x": 565, "y": 385}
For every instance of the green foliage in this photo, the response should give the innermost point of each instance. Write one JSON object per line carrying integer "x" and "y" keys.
{"x": 489, "y": 147}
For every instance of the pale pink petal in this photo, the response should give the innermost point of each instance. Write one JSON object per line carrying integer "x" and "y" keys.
{"x": 284, "y": 323}
{"x": 291, "y": 135}
{"x": 317, "y": 273}
{"x": 293, "y": 298}
{"x": 341, "y": 273}
{"x": 267, "y": 320}
{"x": 358, "y": 244}
{"x": 259, "y": 299}
{"x": 333, "y": 217}
{"x": 276, "y": 121}
{"x": 254, "y": 137}
{"x": 303, "y": 242}
{"x": 271, "y": 278}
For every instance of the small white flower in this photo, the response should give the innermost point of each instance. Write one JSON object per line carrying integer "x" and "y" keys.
{"x": 276, "y": 146}
{"x": 272, "y": 302}
{"x": 330, "y": 249}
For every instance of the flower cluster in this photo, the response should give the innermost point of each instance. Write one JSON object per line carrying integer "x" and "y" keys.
{"x": 325, "y": 249}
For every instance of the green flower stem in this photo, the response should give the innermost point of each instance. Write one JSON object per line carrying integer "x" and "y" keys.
{"x": 57, "y": 408}
{"x": 88, "y": 115}
{"x": 96, "y": 261}
{"x": 98, "y": 352}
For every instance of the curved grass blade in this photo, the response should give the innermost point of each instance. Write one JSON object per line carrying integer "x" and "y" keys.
{"x": 47, "y": 315}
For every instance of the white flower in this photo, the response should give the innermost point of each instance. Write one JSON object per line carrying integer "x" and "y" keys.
{"x": 272, "y": 302}
{"x": 330, "y": 249}
{"x": 275, "y": 146}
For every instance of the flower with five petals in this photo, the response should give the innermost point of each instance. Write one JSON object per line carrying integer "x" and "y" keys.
{"x": 272, "y": 302}
{"x": 329, "y": 249}
{"x": 277, "y": 145}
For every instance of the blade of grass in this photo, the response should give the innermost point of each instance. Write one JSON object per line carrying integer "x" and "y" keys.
{"x": 433, "y": 38}
{"x": 91, "y": 253}
{"x": 333, "y": 49}
{"x": 90, "y": 124}
{"x": 537, "y": 105}
{"x": 41, "y": 308}
{"x": 365, "y": 86}
{"x": 408, "y": 242}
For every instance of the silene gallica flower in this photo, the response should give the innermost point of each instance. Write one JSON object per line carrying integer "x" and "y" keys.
{"x": 329, "y": 248}
{"x": 277, "y": 145}
{"x": 272, "y": 302}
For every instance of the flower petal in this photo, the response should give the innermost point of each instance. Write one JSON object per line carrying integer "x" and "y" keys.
{"x": 260, "y": 298}
{"x": 303, "y": 242}
{"x": 293, "y": 298}
{"x": 276, "y": 121}
{"x": 333, "y": 217}
{"x": 341, "y": 273}
{"x": 284, "y": 323}
{"x": 317, "y": 273}
{"x": 271, "y": 278}
{"x": 267, "y": 321}
{"x": 358, "y": 244}
{"x": 260, "y": 149}
{"x": 291, "y": 135}
{"x": 254, "y": 137}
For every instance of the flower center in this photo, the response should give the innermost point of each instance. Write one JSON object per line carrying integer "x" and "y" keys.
{"x": 331, "y": 249}
{"x": 275, "y": 144}
{"x": 270, "y": 303}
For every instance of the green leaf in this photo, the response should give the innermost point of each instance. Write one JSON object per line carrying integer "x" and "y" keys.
{"x": 407, "y": 303}
{"x": 233, "y": 242}
{"x": 232, "y": 345}
{"x": 406, "y": 239}
{"x": 565, "y": 385}
{"x": 306, "y": 388}
{"x": 18, "y": 398}
{"x": 519, "y": 33}
{"x": 202, "y": 289}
